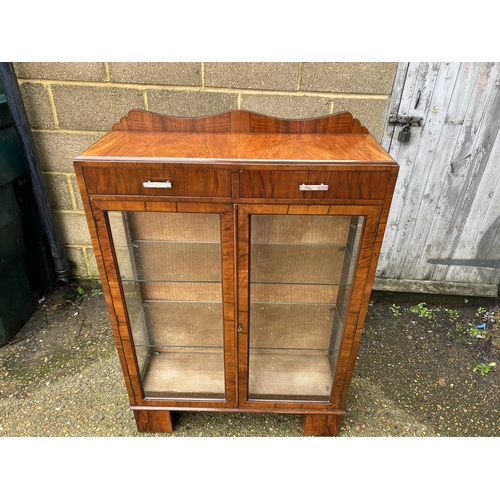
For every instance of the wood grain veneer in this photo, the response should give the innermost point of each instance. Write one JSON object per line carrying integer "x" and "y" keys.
{"x": 235, "y": 166}
{"x": 239, "y": 121}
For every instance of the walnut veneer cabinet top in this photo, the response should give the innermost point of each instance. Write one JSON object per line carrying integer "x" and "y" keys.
{"x": 237, "y": 254}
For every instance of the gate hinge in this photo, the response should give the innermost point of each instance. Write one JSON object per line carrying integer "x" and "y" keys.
{"x": 406, "y": 121}
{"x": 494, "y": 263}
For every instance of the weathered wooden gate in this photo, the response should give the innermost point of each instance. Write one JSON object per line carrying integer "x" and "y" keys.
{"x": 443, "y": 233}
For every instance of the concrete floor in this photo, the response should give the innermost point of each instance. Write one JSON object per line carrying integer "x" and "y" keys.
{"x": 60, "y": 376}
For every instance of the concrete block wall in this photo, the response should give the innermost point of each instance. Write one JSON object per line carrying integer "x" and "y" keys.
{"x": 71, "y": 105}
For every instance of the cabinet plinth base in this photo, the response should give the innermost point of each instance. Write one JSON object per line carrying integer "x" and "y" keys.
{"x": 321, "y": 425}
{"x": 161, "y": 421}
{"x": 153, "y": 421}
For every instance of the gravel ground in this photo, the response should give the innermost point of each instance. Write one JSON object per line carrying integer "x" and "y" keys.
{"x": 414, "y": 376}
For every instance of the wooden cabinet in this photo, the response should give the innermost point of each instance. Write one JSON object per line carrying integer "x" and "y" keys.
{"x": 237, "y": 254}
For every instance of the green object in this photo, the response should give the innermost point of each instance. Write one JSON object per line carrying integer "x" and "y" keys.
{"x": 37, "y": 257}
{"x": 12, "y": 163}
{"x": 25, "y": 259}
{"x": 5, "y": 116}
{"x": 15, "y": 300}
{"x": 11, "y": 231}
{"x": 484, "y": 368}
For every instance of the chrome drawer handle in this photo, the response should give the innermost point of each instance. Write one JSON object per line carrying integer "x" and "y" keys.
{"x": 154, "y": 184}
{"x": 313, "y": 187}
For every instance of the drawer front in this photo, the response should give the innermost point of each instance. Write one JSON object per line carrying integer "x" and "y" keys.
{"x": 158, "y": 181}
{"x": 314, "y": 185}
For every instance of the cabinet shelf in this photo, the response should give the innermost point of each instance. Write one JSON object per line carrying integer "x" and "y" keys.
{"x": 177, "y": 291}
{"x": 167, "y": 281}
{"x": 175, "y": 261}
{"x": 185, "y": 375}
{"x": 160, "y": 347}
{"x": 294, "y": 326}
{"x": 187, "y": 324}
{"x": 304, "y": 283}
{"x": 298, "y": 263}
{"x": 290, "y": 375}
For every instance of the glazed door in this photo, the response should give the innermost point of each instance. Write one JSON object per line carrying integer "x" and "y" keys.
{"x": 174, "y": 266}
{"x": 298, "y": 267}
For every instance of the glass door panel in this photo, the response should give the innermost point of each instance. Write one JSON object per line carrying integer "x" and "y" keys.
{"x": 170, "y": 268}
{"x": 301, "y": 270}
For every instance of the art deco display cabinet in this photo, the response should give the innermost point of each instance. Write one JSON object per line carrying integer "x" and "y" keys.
{"x": 237, "y": 254}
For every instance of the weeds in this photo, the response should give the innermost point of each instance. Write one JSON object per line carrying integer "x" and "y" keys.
{"x": 396, "y": 310}
{"x": 453, "y": 313}
{"x": 94, "y": 291}
{"x": 422, "y": 310}
{"x": 476, "y": 332}
{"x": 484, "y": 368}
{"x": 463, "y": 340}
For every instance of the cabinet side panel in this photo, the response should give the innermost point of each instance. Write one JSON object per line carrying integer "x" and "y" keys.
{"x": 106, "y": 286}
{"x": 364, "y": 294}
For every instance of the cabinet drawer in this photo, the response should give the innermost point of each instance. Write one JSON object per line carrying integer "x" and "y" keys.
{"x": 314, "y": 184}
{"x": 158, "y": 181}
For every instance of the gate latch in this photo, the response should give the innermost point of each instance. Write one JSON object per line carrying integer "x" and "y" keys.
{"x": 409, "y": 121}
{"x": 406, "y": 122}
